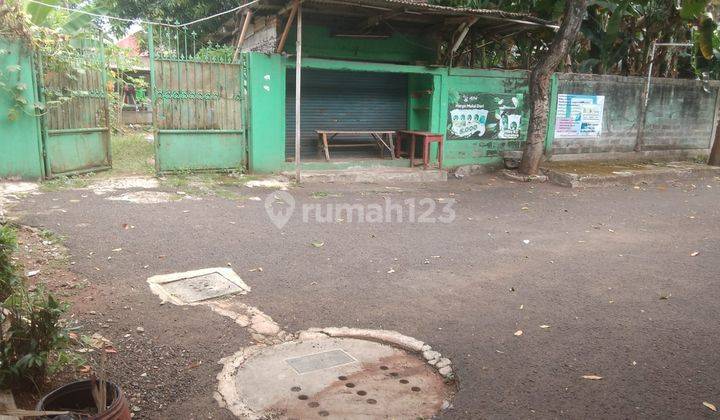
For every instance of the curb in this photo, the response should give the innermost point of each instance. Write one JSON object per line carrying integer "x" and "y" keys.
{"x": 624, "y": 178}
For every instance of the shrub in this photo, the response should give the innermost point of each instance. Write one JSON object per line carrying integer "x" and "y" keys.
{"x": 8, "y": 277}
{"x": 32, "y": 337}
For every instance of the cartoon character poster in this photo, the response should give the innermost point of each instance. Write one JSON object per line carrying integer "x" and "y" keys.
{"x": 478, "y": 116}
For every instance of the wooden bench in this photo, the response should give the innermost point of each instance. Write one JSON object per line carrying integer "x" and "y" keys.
{"x": 382, "y": 139}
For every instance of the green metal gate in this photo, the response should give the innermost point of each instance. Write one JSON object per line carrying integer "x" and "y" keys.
{"x": 198, "y": 97}
{"x": 76, "y": 123}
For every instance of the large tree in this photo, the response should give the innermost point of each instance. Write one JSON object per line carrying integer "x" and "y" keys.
{"x": 540, "y": 84}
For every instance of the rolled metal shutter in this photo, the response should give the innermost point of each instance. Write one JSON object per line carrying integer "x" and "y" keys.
{"x": 344, "y": 100}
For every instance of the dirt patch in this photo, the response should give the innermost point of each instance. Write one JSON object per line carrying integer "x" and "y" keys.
{"x": 164, "y": 372}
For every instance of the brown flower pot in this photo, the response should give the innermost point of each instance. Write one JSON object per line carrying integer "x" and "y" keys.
{"x": 77, "y": 398}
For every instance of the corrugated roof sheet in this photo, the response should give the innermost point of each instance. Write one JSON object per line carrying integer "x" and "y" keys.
{"x": 421, "y": 7}
{"x": 430, "y": 9}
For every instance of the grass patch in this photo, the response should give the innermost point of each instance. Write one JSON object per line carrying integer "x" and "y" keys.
{"x": 65, "y": 182}
{"x": 132, "y": 154}
{"x": 51, "y": 236}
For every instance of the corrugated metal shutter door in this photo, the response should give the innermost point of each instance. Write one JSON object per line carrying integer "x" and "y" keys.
{"x": 344, "y": 100}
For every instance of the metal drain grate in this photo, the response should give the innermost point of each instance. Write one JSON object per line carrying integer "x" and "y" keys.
{"x": 207, "y": 286}
{"x": 320, "y": 361}
{"x": 198, "y": 285}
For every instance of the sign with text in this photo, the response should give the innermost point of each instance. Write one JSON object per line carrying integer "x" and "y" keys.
{"x": 484, "y": 116}
{"x": 579, "y": 116}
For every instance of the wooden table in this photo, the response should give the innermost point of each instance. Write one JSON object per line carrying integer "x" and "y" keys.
{"x": 426, "y": 138}
{"x": 383, "y": 139}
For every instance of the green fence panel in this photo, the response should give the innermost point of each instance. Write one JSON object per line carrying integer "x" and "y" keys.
{"x": 77, "y": 120}
{"x": 198, "y": 105}
{"x": 20, "y": 133}
{"x": 74, "y": 151}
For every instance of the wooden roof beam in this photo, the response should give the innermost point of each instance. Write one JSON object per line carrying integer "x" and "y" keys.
{"x": 288, "y": 24}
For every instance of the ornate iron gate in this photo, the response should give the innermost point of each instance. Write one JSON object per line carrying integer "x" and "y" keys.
{"x": 76, "y": 123}
{"x": 198, "y": 97}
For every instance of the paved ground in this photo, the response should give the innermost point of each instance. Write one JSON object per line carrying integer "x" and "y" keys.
{"x": 596, "y": 270}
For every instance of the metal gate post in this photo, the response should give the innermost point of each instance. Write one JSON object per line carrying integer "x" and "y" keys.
{"x": 103, "y": 78}
{"x": 151, "y": 50}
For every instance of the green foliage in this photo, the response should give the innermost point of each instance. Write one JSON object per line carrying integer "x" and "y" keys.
{"x": 175, "y": 11}
{"x": 692, "y": 9}
{"x": 8, "y": 277}
{"x": 32, "y": 337}
{"x": 216, "y": 53}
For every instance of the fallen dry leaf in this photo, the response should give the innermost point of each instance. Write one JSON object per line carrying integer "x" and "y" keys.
{"x": 317, "y": 244}
{"x": 518, "y": 333}
{"x": 592, "y": 377}
{"x": 710, "y": 406}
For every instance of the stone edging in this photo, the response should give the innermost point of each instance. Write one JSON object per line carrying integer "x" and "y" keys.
{"x": 393, "y": 338}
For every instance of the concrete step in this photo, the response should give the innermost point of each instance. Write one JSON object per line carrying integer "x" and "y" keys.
{"x": 373, "y": 175}
{"x": 631, "y": 175}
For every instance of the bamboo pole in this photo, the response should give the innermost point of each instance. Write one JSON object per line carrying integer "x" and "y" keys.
{"x": 283, "y": 38}
{"x": 243, "y": 32}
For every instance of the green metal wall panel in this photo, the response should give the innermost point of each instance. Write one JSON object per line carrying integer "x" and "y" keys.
{"x": 20, "y": 140}
{"x": 343, "y": 100}
{"x": 266, "y": 96}
{"x": 188, "y": 150}
{"x": 77, "y": 151}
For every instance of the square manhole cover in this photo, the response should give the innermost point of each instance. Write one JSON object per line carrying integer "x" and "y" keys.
{"x": 196, "y": 286}
{"x": 319, "y": 361}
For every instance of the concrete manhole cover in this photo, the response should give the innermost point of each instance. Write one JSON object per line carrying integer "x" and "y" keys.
{"x": 336, "y": 378}
{"x": 196, "y": 286}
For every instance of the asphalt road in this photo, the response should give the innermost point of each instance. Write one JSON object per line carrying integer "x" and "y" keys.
{"x": 609, "y": 270}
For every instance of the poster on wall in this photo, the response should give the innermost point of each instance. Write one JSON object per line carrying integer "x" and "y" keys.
{"x": 579, "y": 116}
{"x": 484, "y": 116}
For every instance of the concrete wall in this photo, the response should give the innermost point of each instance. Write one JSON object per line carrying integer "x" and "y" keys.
{"x": 680, "y": 115}
{"x": 20, "y": 139}
{"x": 262, "y": 35}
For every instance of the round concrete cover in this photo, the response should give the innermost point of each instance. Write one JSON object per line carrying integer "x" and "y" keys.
{"x": 340, "y": 378}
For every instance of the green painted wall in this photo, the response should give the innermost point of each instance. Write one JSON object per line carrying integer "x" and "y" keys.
{"x": 317, "y": 42}
{"x": 266, "y": 96}
{"x": 429, "y": 89}
{"x": 472, "y": 152}
{"x": 20, "y": 140}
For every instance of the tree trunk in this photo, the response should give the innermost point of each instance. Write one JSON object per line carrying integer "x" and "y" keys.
{"x": 540, "y": 84}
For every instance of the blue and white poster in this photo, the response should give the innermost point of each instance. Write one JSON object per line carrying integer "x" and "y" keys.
{"x": 579, "y": 116}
